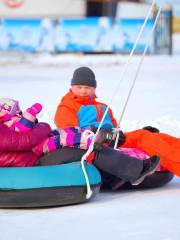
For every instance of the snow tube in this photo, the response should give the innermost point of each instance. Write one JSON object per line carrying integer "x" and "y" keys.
{"x": 42, "y": 186}
{"x": 157, "y": 179}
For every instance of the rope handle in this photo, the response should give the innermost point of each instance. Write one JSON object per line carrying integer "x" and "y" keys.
{"x": 87, "y": 134}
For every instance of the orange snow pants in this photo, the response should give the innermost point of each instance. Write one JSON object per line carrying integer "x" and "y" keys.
{"x": 161, "y": 144}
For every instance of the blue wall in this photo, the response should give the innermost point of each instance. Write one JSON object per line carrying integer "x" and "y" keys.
{"x": 72, "y": 35}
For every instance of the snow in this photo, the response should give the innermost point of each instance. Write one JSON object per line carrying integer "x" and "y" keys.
{"x": 125, "y": 215}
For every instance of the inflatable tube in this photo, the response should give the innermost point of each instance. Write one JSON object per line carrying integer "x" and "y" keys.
{"x": 42, "y": 186}
{"x": 157, "y": 179}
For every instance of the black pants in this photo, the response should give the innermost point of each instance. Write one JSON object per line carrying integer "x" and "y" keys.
{"x": 108, "y": 160}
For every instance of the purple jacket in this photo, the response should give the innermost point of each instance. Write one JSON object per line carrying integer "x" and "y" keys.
{"x": 16, "y": 148}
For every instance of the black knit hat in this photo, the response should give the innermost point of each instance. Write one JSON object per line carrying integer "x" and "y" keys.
{"x": 84, "y": 76}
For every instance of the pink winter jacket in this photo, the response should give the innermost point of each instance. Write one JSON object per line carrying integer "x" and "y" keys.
{"x": 16, "y": 148}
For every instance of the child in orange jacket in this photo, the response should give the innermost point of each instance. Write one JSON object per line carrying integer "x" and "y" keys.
{"x": 80, "y": 108}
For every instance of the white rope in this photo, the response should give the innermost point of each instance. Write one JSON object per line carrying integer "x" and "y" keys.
{"x": 137, "y": 72}
{"x": 87, "y": 134}
{"x": 126, "y": 66}
{"x": 91, "y": 147}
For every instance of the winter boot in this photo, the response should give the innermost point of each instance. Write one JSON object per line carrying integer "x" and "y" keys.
{"x": 150, "y": 165}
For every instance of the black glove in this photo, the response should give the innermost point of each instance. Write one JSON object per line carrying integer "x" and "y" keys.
{"x": 151, "y": 129}
{"x": 121, "y": 139}
{"x": 99, "y": 139}
{"x": 103, "y": 136}
{"x": 109, "y": 137}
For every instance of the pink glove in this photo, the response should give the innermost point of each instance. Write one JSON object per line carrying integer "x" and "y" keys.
{"x": 35, "y": 109}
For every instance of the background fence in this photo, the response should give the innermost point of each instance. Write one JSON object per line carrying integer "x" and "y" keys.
{"x": 81, "y": 34}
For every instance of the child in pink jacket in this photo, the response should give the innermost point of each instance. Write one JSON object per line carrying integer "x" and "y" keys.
{"x": 12, "y": 116}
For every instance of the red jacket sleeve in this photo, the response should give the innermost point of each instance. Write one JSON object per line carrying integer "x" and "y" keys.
{"x": 65, "y": 117}
{"x": 16, "y": 141}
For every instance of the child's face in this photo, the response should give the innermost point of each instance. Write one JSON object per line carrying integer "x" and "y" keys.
{"x": 83, "y": 91}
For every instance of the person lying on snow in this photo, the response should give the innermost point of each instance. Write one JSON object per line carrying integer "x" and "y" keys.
{"x": 23, "y": 141}
{"x": 80, "y": 108}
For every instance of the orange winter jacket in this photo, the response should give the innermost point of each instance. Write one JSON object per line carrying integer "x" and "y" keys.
{"x": 83, "y": 112}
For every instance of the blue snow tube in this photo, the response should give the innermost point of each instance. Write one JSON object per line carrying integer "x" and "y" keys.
{"x": 41, "y": 186}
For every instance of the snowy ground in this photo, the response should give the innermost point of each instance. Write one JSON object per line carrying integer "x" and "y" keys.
{"x": 138, "y": 215}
